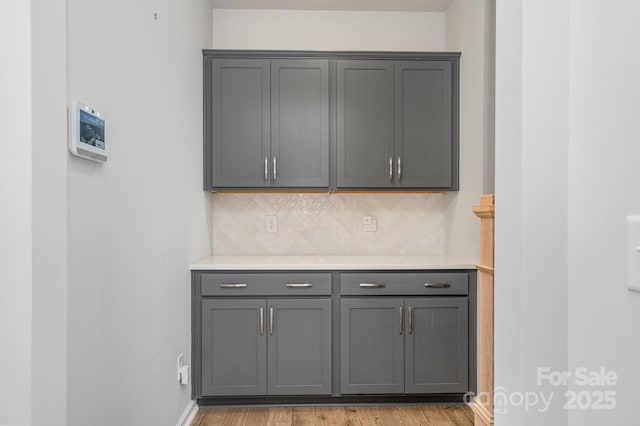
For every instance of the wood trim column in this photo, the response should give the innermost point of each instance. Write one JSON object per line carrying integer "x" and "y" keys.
{"x": 483, "y": 403}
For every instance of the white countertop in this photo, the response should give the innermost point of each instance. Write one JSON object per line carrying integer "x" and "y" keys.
{"x": 331, "y": 262}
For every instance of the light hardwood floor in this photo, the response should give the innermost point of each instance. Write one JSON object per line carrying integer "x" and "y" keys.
{"x": 427, "y": 415}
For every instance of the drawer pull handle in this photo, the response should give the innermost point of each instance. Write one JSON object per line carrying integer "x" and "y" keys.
{"x": 261, "y": 321}
{"x": 437, "y": 285}
{"x": 299, "y": 285}
{"x": 401, "y": 319}
{"x": 372, "y": 285}
{"x": 233, "y": 285}
{"x": 410, "y": 317}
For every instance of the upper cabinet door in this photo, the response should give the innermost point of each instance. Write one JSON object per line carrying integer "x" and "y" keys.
{"x": 364, "y": 124}
{"x": 423, "y": 128}
{"x": 240, "y": 100}
{"x": 299, "y": 123}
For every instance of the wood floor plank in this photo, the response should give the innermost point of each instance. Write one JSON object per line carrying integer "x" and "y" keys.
{"x": 303, "y": 416}
{"x": 257, "y": 417}
{"x": 427, "y": 415}
{"x": 209, "y": 416}
{"x": 436, "y": 416}
{"x": 328, "y": 416}
{"x": 409, "y": 416}
{"x": 458, "y": 415}
{"x": 351, "y": 417}
{"x": 369, "y": 416}
{"x": 235, "y": 417}
{"x": 280, "y": 416}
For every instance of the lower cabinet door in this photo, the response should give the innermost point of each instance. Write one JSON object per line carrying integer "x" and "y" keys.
{"x": 299, "y": 347}
{"x": 436, "y": 345}
{"x": 234, "y": 346}
{"x": 371, "y": 346}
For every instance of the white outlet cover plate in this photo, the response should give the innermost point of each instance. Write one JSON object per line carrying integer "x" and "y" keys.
{"x": 633, "y": 253}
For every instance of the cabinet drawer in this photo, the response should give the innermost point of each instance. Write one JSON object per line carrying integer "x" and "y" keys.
{"x": 264, "y": 284}
{"x": 401, "y": 283}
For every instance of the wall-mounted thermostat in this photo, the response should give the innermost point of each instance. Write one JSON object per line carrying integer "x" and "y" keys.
{"x": 87, "y": 132}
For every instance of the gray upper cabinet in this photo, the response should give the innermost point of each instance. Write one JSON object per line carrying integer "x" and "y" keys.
{"x": 300, "y": 123}
{"x": 364, "y": 124}
{"x": 239, "y": 126}
{"x": 268, "y": 124}
{"x": 299, "y": 120}
{"x": 395, "y": 126}
{"x": 423, "y": 132}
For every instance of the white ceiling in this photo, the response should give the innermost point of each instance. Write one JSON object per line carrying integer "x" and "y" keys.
{"x": 372, "y": 5}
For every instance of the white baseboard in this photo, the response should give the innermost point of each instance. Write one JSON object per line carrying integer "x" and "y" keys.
{"x": 188, "y": 414}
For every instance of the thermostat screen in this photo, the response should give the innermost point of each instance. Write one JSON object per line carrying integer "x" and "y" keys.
{"x": 91, "y": 130}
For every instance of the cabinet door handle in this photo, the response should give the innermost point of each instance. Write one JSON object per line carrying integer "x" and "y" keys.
{"x": 399, "y": 168}
{"x": 390, "y": 168}
{"x": 410, "y": 318}
{"x": 437, "y": 285}
{"x": 275, "y": 168}
{"x": 261, "y": 321}
{"x": 401, "y": 319}
{"x": 271, "y": 321}
{"x": 372, "y": 285}
{"x": 299, "y": 285}
{"x": 233, "y": 285}
{"x": 266, "y": 168}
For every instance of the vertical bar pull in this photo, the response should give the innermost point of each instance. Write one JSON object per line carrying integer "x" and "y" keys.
{"x": 261, "y": 321}
{"x": 390, "y": 168}
{"x": 399, "y": 168}
{"x": 410, "y": 318}
{"x": 271, "y": 321}
{"x": 266, "y": 168}
{"x": 275, "y": 168}
{"x": 401, "y": 319}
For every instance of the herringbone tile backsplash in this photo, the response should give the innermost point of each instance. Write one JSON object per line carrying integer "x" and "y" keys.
{"x": 329, "y": 224}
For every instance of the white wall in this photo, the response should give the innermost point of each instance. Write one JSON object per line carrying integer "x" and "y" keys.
{"x": 137, "y": 221}
{"x": 566, "y": 177}
{"x": 467, "y": 32}
{"x": 604, "y": 187}
{"x": 327, "y": 30}
{"x": 49, "y": 195}
{"x": 532, "y": 112}
{"x": 15, "y": 213}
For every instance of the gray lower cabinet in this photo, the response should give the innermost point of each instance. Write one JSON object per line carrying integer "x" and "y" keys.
{"x": 299, "y": 347}
{"x": 234, "y": 347}
{"x": 371, "y": 342}
{"x": 307, "y": 336}
{"x": 266, "y": 123}
{"x": 404, "y": 345}
{"x": 253, "y": 347}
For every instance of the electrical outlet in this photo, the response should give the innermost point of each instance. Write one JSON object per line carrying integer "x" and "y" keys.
{"x": 272, "y": 223}
{"x": 179, "y": 365}
{"x": 371, "y": 224}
